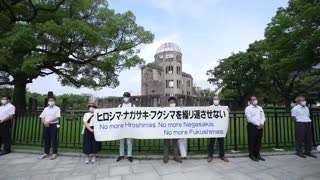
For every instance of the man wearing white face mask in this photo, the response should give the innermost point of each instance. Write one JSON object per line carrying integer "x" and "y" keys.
{"x": 172, "y": 103}
{"x": 256, "y": 118}
{"x": 50, "y": 119}
{"x": 7, "y": 111}
{"x": 300, "y": 115}
{"x": 126, "y": 104}
{"x": 216, "y": 102}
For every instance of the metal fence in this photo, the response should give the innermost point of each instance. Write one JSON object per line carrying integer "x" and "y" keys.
{"x": 279, "y": 132}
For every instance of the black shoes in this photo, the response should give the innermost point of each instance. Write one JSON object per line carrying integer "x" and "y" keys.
{"x": 260, "y": 158}
{"x": 253, "y": 158}
{"x": 301, "y": 155}
{"x": 310, "y": 155}
{"x": 165, "y": 160}
{"x": 4, "y": 153}
{"x": 305, "y": 155}
{"x": 223, "y": 158}
{"x": 120, "y": 158}
{"x": 256, "y": 158}
{"x": 179, "y": 160}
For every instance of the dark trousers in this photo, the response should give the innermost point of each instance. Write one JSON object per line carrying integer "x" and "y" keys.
{"x": 50, "y": 137}
{"x": 5, "y": 136}
{"x": 254, "y": 139}
{"x": 90, "y": 145}
{"x": 211, "y": 146}
{"x": 166, "y": 143}
{"x": 303, "y": 135}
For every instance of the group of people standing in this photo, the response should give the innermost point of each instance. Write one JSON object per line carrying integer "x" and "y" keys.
{"x": 254, "y": 113}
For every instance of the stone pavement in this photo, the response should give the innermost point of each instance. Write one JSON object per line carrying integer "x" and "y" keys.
{"x": 27, "y": 166}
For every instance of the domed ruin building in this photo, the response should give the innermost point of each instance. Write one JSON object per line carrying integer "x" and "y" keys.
{"x": 164, "y": 76}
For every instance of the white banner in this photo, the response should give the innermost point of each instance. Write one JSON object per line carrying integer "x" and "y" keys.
{"x": 160, "y": 123}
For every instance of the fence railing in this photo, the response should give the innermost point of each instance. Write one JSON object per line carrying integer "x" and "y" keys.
{"x": 279, "y": 132}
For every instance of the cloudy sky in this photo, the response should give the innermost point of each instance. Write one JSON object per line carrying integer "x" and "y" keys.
{"x": 205, "y": 30}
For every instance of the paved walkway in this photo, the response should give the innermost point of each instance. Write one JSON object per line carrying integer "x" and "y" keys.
{"x": 27, "y": 166}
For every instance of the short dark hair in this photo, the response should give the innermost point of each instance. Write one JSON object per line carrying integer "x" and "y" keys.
{"x": 126, "y": 94}
{"x": 252, "y": 97}
{"x": 6, "y": 96}
{"x": 172, "y": 98}
{"x": 299, "y": 97}
{"x": 52, "y": 97}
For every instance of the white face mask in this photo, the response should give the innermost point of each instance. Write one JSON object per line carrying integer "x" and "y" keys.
{"x": 91, "y": 109}
{"x": 126, "y": 99}
{"x": 303, "y": 103}
{"x": 51, "y": 103}
{"x": 255, "y": 102}
{"x": 172, "y": 105}
{"x": 3, "y": 102}
{"x": 216, "y": 102}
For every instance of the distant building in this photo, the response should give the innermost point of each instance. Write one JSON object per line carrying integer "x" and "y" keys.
{"x": 164, "y": 76}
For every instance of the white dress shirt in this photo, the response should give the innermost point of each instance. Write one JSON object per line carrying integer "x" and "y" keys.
{"x": 218, "y": 106}
{"x": 126, "y": 105}
{"x": 6, "y": 111}
{"x": 301, "y": 113}
{"x": 50, "y": 113}
{"x": 255, "y": 115}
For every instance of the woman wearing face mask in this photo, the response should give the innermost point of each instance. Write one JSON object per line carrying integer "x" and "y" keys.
{"x": 90, "y": 145}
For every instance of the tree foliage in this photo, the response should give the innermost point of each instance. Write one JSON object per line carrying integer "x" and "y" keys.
{"x": 207, "y": 92}
{"x": 82, "y": 41}
{"x": 279, "y": 65}
{"x": 238, "y": 75}
{"x": 293, "y": 47}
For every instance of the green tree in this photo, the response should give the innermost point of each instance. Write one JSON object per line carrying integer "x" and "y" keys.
{"x": 74, "y": 101}
{"x": 82, "y": 41}
{"x": 279, "y": 67}
{"x": 293, "y": 47}
{"x": 238, "y": 75}
{"x": 4, "y": 90}
{"x": 207, "y": 92}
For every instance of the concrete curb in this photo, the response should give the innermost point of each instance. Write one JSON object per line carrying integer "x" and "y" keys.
{"x": 144, "y": 157}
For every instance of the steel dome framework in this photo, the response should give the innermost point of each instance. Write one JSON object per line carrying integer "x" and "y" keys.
{"x": 168, "y": 47}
